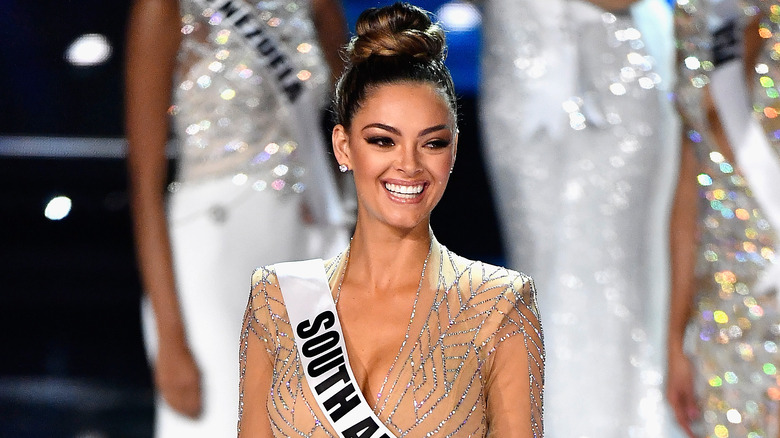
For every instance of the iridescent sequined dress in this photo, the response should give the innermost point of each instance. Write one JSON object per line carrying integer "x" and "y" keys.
{"x": 734, "y": 330}
{"x": 577, "y": 147}
{"x": 455, "y": 350}
{"x": 250, "y": 87}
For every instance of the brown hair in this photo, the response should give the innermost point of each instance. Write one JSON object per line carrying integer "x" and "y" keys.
{"x": 396, "y": 43}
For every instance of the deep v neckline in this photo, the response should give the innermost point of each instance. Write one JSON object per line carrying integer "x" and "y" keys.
{"x": 375, "y": 398}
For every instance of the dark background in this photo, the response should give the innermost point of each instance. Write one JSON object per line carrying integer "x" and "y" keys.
{"x": 72, "y": 362}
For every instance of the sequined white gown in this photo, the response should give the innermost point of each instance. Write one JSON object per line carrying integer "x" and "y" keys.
{"x": 247, "y": 99}
{"x": 734, "y": 329}
{"x": 578, "y": 146}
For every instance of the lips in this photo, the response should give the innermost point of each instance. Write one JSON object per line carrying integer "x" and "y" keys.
{"x": 405, "y": 191}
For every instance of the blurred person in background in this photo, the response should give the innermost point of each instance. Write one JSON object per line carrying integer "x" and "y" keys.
{"x": 245, "y": 85}
{"x": 724, "y": 325}
{"x": 579, "y": 142}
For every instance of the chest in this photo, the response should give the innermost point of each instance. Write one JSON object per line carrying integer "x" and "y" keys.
{"x": 416, "y": 383}
{"x": 424, "y": 392}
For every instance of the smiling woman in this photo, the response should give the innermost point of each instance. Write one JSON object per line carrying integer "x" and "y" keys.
{"x": 396, "y": 336}
{"x": 401, "y": 148}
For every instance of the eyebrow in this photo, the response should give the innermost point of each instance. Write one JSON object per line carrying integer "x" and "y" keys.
{"x": 397, "y": 132}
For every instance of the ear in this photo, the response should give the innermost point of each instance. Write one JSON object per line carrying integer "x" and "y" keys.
{"x": 340, "y": 140}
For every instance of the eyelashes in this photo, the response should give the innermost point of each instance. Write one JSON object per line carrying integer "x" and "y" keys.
{"x": 438, "y": 144}
{"x": 380, "y": 141}
{"x": 383, "y": 141}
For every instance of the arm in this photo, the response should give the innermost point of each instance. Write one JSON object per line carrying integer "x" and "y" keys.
{"x": 679, "y": 382}
{"x": 256, "y": 374}
{"x": 153, "y": 40}
{"x": 516, "y": 380}
{"x": 331, "y": 27}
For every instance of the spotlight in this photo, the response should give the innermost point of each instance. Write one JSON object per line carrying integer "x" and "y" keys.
{"x": 57, "y": 208}
{"x": 89, "y": 49}
{"x": 458, "y": 16}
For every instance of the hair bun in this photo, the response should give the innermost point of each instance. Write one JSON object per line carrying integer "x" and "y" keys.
{"x": 398, "y": 30}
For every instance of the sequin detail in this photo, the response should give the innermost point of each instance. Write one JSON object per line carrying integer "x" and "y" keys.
{"x": 231, "y": 113}
{"x": 733, "y": 334}
{"x": 576, "y": 141}
{"x": 437, "y": 387}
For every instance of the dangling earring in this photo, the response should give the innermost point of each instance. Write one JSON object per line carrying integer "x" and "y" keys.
{"x": 343, "y": 168}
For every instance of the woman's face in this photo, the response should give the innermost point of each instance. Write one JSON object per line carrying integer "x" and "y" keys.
{"x": 401, "y": 147}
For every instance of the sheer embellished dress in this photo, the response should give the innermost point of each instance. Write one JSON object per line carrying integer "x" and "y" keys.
{"x": 470, "y": 322}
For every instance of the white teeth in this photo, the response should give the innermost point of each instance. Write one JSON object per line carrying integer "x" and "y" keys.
{"x": 404, "y": 190}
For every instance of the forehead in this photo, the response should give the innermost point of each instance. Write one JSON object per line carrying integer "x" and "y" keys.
{"x": 405, "y": 103}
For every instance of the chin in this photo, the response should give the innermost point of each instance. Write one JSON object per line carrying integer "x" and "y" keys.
{"x": 406, "y": 224}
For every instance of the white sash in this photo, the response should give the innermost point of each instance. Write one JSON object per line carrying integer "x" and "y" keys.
{"x": 321, "y": 349}
{"x": 751, "y": 149}
{"x": 320, "y": 193}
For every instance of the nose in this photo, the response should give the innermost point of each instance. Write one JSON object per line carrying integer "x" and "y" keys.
{"x": 408, "y": 160}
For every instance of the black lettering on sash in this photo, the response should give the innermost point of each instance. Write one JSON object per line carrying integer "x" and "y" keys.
{"x": 266, "y": 47}
{"x": 253, "y": 32}
{"x": 240, "y": 22}
{"x": 320, "y": 343}
{"x": 277, "y": 62}
{"x": 363, "y": 429}
{"x": 726, "y": 43}
{"x": 229, "y": 9}
{"x": 320, "y": 364}
{"x": 340, "y": 374}
{"x": 250, "y": 28}
{"x": 293, "y": 90}
{"x": 344, "y": 402}
{"x": 306, "y": 329}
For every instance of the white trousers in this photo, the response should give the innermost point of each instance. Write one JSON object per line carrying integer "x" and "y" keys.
{"x": 219, "y": 233}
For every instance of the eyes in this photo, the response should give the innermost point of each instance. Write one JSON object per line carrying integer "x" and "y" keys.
{"x": 386, "y": 142}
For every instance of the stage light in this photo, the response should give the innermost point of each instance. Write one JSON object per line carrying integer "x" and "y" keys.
{"x": 58, "y": 208}
{"x": 89, "y": 49}
{"x": 457, "y": 16}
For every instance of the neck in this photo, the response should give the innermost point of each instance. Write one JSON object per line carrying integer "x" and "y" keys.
{"x": 380, "y": 258}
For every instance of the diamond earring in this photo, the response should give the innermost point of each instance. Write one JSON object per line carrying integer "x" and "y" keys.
{"x": 343, "y": 168}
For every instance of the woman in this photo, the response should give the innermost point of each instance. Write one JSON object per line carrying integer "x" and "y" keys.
{"x": 578, "y": 147}
{"x": 251, "y": 182}
{"x": 438, "y": 345}
{"x": 724, "y": 323}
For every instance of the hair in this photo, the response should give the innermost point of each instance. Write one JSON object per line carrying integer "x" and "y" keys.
{"x": 393, "y": 44}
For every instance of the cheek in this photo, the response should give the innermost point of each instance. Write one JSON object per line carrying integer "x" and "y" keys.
{"x": 444, "y": 167}
{"x": 367, "y": 165}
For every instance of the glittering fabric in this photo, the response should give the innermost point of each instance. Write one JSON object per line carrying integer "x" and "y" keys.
{"x": 734, "y": 331}
{"x": 231, "y": 113}
{"x": 440, "y": 385}
{"x": 575, "y": 142}
{"x": 249, "y": 159}
{"x": 766, "y": 97}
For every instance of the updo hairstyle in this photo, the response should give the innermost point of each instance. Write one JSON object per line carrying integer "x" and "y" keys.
{"x": 394, "y": 44}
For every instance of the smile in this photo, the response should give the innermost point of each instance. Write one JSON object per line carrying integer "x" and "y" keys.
{"x": 404, "y": 191}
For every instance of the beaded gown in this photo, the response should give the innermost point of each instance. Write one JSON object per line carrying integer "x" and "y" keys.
{"x": 440, "y": 384}
{"x": 578, "y": 148}
{"x": 734, "y": 330}
{"x": 249, "y": 90}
